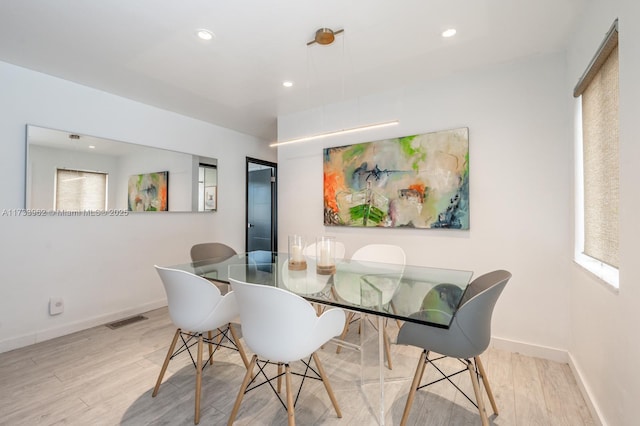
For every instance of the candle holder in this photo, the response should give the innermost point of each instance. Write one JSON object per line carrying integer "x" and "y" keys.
{"x": 326, "y": 255}
{"x": 297, "y": 261}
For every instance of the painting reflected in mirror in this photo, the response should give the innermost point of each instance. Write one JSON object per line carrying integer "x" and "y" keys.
{"x": 207, "y": 187}
{"x": 74, "y": 172}
{"x": 149, "y": 192}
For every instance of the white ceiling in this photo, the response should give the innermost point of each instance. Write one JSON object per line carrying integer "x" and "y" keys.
{"x": 147, "y": 50}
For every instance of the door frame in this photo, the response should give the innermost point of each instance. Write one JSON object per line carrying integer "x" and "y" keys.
{"x": 274, "y": 202}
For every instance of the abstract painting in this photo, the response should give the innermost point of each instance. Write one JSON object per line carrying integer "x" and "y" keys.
{"x": 149, "y": 192}
{"x": 419, "y": 181}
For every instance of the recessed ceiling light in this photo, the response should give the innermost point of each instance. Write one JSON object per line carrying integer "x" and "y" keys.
{"x": 287, "y": 83}
{"x": 449, "y": 33}
{"x": 205, "y": 34}
{"x": 92, "y": 147}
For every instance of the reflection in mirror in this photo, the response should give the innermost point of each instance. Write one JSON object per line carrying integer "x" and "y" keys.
{"x": 207, "y": 187}
{"x": 73, "y": 172}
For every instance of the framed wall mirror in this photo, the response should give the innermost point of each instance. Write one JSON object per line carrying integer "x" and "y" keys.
{"x": 75, "y": 172}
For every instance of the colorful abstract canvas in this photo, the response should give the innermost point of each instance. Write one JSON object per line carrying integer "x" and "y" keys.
{"x": 419, "y": 181}
{"x": 149, "y": 192}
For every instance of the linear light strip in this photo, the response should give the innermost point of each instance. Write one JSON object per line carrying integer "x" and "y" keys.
{"x": 337, "y": 132}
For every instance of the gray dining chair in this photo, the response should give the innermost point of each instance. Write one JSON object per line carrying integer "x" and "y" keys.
{"x": 467, "y": 337}
{"x": 215, "y": 252}
{"x": 218, "y": 251}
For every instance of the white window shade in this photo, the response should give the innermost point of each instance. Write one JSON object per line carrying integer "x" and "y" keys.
{"x": 597, "y": 232}
{"x": 601, "y": 163}
{"x": 80, "y": 190}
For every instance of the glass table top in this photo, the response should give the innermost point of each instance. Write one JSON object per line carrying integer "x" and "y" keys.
{"x": 406, "y": 292}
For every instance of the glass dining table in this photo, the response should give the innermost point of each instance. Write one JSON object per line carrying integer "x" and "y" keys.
{"x": 419, "y": 294}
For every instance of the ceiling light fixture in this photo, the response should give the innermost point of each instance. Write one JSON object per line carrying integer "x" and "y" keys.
{"x": 325, "y": 36}
{"x": 287, "y": 83}
{"x": 337, "y": 132}
{"x": 449, "y": 33}
{"x": 204, "y": 34}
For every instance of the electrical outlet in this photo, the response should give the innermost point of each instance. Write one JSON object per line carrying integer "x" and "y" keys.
{"x": 56, "y": 305}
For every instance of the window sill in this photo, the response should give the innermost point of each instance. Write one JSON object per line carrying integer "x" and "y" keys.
{"x": 607, "y": 274}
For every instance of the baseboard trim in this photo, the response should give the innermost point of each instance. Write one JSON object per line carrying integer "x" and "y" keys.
{"x": 557, "y": 355}
{"x": 62, "y": 330}
{"x": 586, "y": 393}
{"x": 528, "y": 349}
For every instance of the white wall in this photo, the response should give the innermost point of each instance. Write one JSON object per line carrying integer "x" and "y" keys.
{"x": 520, "y": 191}
{"x": 101, "y": 266}
{"x": 604, "y": 323}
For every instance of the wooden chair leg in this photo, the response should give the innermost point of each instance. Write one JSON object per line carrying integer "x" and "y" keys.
{"x": 210, "y": 337}
{"x": 387, "y": 347}
{"x": 279, "y": 380}
{"x": 479, "y": 397}
{"x": 290, "y": 408}
{"x": 196, "y": 419}
{"x": 243, "y": 388}
{"x": 417, "y": 377}
{"x": 485, "y": 382}
{"x": 243, "y": 354}
{"x": 393, "y": 308}
{"x": 327, "y": 385}
{"x": 166, "y": 362}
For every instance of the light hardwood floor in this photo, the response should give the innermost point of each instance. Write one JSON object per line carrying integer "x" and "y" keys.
{"x": 102, "y": 376}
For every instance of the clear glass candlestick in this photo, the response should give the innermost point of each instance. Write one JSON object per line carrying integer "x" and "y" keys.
{"x": 297, "y": 262}
{"x": 326, "y": 255}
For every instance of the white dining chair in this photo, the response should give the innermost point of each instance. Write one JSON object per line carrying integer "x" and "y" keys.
{"x": 394, "y": 259}
{"x": 305, "y": 282}
{"x": 310, "y": 250}
{"x": 281, "y": 327}
{"x": 196, "y": 307}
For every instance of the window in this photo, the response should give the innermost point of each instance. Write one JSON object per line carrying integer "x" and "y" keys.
{"x": 78, "y": 190}
{"x": 598, "y": 163}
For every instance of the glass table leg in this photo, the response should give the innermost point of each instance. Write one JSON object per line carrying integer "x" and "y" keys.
{"x": 381, "y": 366}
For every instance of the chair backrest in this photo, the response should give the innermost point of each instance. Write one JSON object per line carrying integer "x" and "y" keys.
{"x": 442, "y": 297}
{"x": 382, "y": 253}
{"x": 310, "y": 250}
{"x": 281, "y": 326}
{"x": 476, "y": 309}
{"x": 351, "y": 287}
{"x": 195, "y": 304}
{"x": 470, "y": 330}
{"x": 217, "y": 251}
{"x": 303, "y": 282}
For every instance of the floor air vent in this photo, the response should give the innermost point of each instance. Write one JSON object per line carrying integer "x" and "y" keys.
{"x": 126, "y": 321}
